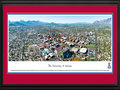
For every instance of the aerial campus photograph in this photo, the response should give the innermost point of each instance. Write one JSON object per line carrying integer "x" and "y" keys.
{"x": 59, "y": 37}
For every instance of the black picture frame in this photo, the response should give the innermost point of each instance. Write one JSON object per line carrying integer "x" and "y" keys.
{"x": 59, "y": 3}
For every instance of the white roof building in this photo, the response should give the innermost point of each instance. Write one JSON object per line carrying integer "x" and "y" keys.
{"x": 51, "y": 55}
{"x": 83, "y": 50}
{"x": 68, "y": 43}
{"x": 74, "y": 49}
{"x": 46, "y": 56}
{"x": 64, "y": 37}
{"x": 34, "y": 45}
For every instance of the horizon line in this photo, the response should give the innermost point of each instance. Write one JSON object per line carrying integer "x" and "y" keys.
{"x": 55, "y": 22}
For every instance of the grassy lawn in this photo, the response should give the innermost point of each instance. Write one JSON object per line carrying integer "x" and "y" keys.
{"x": 60, "y": 52}
{"x": 79, "y": 59}
{"x": 90, "y": 45}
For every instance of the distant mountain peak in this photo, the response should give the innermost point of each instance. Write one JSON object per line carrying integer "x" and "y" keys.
{"x": 104, "y": 21}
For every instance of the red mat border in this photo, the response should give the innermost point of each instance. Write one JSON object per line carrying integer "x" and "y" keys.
{"x": 59, "y": 78}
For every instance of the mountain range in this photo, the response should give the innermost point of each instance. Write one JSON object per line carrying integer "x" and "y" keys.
{"x": 104, "y": 21}
{"x": 27, "y": 23}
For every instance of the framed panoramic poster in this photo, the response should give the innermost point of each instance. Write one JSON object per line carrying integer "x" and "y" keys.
{"x": 60, "y": 45}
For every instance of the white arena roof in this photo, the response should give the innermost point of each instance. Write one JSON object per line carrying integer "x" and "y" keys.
{"x": 83, "y": 50}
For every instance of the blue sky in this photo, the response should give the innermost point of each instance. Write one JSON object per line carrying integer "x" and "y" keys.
{"x": 57, "y": 18}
